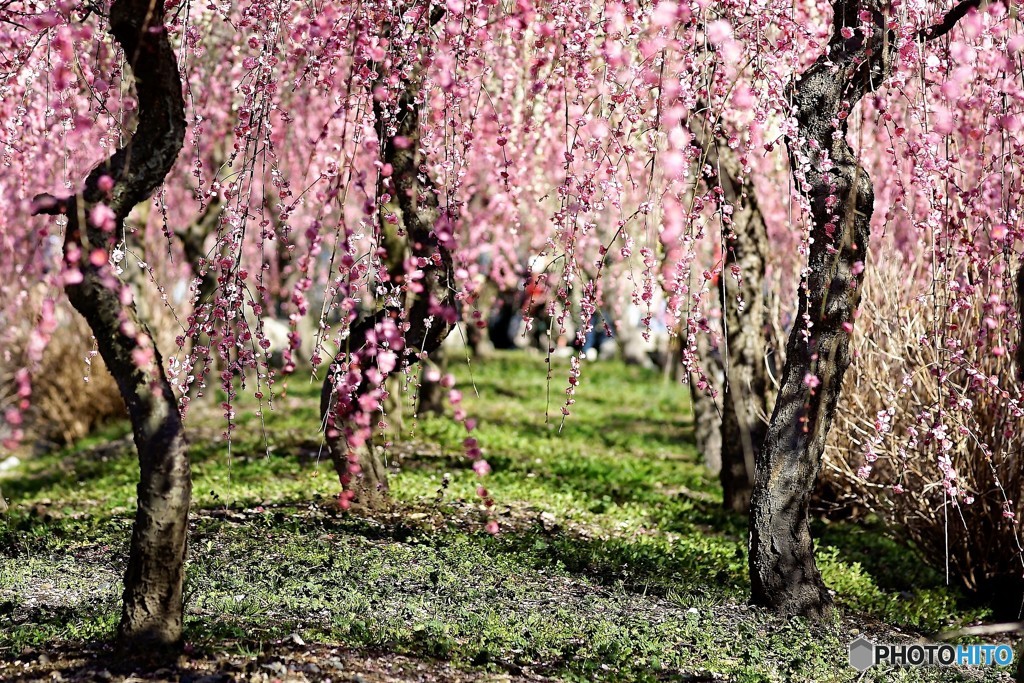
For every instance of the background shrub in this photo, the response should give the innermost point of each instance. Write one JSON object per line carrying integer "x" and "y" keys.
{"x": 913, "y": 399}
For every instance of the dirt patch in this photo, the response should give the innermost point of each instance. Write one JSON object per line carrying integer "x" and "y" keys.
{"x": 283, "y": 662}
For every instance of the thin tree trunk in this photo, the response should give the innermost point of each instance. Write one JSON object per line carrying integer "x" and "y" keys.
{"x": 3, "y": 503}
{"x": 707, "y": 418}
{"x": 415, "y": 203}
{"x": 431, "y": 398}
{"x": 782, "y": 570}
{"x": 747, "y": 394}
{"x": 152, "y": 614}
{"x": 747, "y": 397}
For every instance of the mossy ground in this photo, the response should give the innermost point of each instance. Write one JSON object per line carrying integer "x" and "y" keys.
{"x": 615, "y": 560}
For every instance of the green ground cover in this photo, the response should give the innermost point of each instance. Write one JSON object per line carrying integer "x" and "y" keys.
{"x": 615, "y": 561}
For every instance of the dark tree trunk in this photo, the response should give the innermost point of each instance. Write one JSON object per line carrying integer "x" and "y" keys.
{"x": 153, "y": 583}
{"x": 782, "y": 570}
{"x": 747, "y": 395}
{"x": 415, "y": 203}
{"x": 152, "y": 613}
{"x": 431, "y": 398}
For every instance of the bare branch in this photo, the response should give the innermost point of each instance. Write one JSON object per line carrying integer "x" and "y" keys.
{"x": 949, "y": 20}
{"x": 983, "y": 630}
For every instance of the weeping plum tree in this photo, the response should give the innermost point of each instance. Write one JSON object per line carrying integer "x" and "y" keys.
{"x": 405, "y": 160}
{"x": 418, "y": 312}
{"x": 418, "y": 317}
{"x": 92, "y": 219}
{"x": 858, "y": 59}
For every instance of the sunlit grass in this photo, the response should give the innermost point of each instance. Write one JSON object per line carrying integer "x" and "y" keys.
{"x": 615, "y": 560}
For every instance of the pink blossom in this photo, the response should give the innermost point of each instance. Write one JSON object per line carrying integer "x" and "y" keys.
{"x": 387, "y": 361}
{"x": 719, "y": 31}
{"x": 102, "y": 216}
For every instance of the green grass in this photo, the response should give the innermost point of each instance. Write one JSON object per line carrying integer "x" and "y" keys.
{"x": 615, "y": 562}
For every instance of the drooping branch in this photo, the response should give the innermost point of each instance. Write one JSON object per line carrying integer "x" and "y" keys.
{"x": 417, "y": 200}
{"x": 140, "y": 166}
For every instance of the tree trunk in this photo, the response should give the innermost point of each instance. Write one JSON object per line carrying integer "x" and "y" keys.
{"x": 152, "y": 615}
{"x": 3, "y": 503}
{"x": 431, "y": 399}
{"x": 782, "y": 569}
{"x": 707, "y": 419}
{"x": 783, "y": 575}
{"x": 414, "y": 202}
{"x": 362, "y": 472}
{"x": 747, "y": 395}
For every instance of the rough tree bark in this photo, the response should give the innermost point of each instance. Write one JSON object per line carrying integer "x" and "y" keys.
{"x": 416, "y": 205}
{"x": 747, "y": 391}
{"x": 152, "y": 614}
{"x": 782, "y": 569}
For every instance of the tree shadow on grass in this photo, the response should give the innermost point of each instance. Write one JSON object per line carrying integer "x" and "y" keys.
{"x": 112, "y": 467}
{"x": 421, "y": 550}
{"x": 707, "y": 563}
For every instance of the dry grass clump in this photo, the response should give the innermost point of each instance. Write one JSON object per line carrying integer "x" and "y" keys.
{"x": 909, "y": 401}
{"x": 64, "y": 406}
